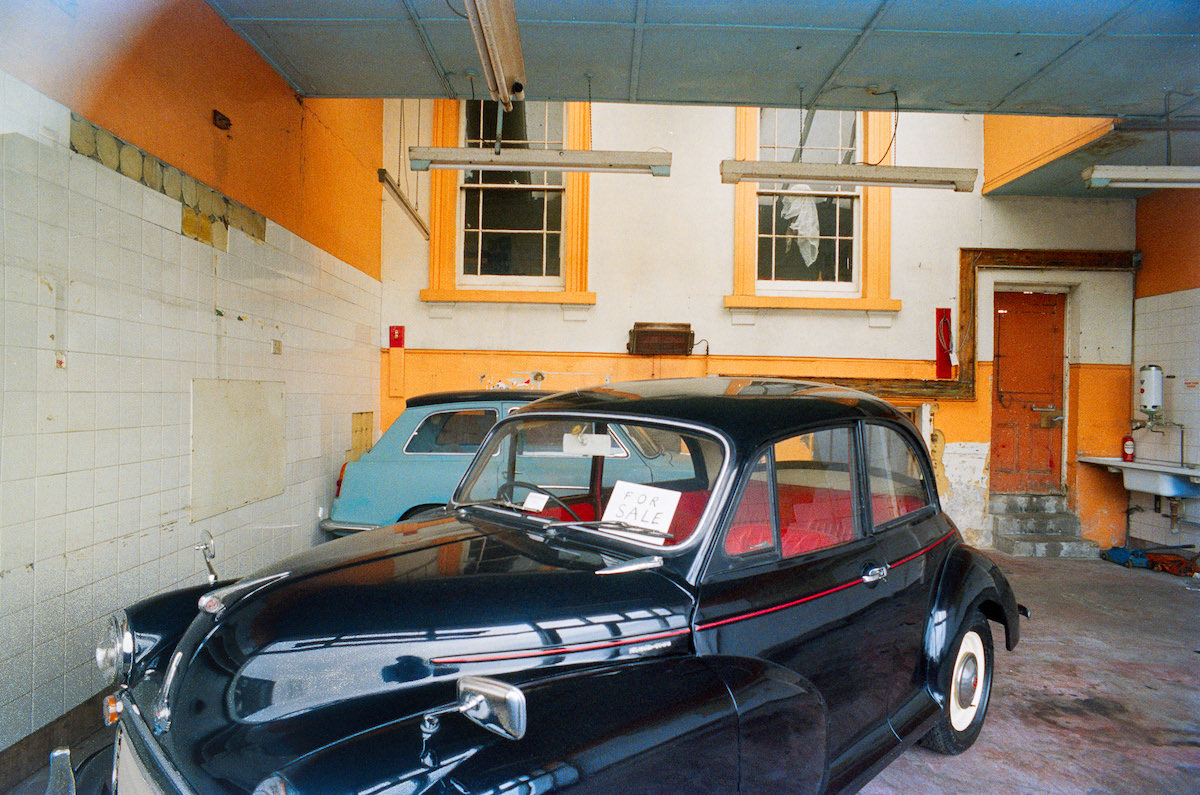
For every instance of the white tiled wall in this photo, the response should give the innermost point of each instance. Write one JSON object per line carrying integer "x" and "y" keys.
{"x": 108, "y": 313}
{"x": 1168, "y": 334}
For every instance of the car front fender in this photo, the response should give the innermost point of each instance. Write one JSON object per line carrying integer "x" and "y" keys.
{"x": 669, "y": 724}
{"x": 969, "y": 581}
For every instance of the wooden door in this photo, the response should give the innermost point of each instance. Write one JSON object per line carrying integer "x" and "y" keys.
{"x": 1027, "y": 397}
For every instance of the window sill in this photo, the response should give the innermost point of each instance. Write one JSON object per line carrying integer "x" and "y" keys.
{"x": 507, "y": 296}
{"x": 801, "y": 302}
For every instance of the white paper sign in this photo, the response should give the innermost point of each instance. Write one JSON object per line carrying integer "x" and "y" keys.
{"x": 535, "y": 501}
{"x": 586, "y": 444}
{"x": 647, "y": 507}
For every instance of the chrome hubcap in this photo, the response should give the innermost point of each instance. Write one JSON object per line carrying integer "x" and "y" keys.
{"x": 968, "y": 677}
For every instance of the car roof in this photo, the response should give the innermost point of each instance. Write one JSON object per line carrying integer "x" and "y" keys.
{"x": 745, "y": 409}
{"x": 474, "y": 396}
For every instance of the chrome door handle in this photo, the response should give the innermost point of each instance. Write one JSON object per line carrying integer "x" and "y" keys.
{"x": 875, "y": 574}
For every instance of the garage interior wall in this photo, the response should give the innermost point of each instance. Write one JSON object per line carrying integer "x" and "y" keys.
{"x": 679, "y": 268}
{"x": 1167, "y": 333}
{"x": 109, "y": 312}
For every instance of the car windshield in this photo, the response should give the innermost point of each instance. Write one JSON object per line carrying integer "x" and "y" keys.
{"x": 639, "y": 482}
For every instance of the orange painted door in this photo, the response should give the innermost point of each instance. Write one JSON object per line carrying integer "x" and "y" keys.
{"x": 1027, "y": 397}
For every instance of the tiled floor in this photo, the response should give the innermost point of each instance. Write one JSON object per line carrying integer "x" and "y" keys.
{"x": 1101, "y": 696}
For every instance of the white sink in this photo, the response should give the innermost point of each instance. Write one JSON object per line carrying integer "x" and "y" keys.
{"x": 1152, "y": 477}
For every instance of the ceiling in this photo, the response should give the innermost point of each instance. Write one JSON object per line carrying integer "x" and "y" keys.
{"x": 1130, "y": 58}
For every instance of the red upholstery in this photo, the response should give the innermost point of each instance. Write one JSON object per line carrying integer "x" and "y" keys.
{"x": 583, "y": 510}
{"x": 687, "y": 514}
{"x": 747, "y": 537}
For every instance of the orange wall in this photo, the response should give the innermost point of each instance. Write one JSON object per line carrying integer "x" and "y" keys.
{"x": 1099, "y": 403}
{"x": 1016, "y": 145}
{"x": 1168, "y": 235}
{"x": 152, "y": 72}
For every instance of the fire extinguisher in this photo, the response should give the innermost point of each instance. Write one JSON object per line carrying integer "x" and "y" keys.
{"x": 1127, "y": 448}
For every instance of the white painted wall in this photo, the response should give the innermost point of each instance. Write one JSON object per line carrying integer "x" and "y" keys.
{"x": 94, "y": 456}
{"x": 662, "y": 250}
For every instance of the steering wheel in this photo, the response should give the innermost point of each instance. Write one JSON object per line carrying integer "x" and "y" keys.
{"x": 510, "y": 486}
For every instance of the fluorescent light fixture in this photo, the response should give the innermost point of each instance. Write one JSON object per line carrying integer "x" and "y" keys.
{"x": 959, "y": 179}
{"x": 1142, "y": 177}
{"x": 494, "y": 25}
{"x": 423, "y": 158}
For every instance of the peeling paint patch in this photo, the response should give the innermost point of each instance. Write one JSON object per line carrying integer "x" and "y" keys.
{"x": 964, "y": 468}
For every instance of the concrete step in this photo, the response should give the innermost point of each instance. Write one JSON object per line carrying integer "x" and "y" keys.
{"x": 1027, "y": 503}
{"x": 1042, "y": 545}
{"x": 1060, "y": 524}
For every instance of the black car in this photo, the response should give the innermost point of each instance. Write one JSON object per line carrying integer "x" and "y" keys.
{"x": 787, "y": 611}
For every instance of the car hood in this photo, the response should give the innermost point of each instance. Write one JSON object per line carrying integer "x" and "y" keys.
{"x": 379, "y": 625}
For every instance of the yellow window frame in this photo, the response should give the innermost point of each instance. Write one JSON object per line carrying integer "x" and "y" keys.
{"x": 445, "y": 253}
{"x": 876, "y": 265}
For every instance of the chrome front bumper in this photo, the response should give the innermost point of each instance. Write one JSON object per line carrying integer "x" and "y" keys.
{"x": 140, "y": 763}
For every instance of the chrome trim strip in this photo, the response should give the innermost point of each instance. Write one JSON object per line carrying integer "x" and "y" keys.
{"x": 342, "y": 528}
{"x": 153, "y": 759}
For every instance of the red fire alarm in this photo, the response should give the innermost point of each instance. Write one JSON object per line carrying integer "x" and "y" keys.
{"x": 395, "y": 336}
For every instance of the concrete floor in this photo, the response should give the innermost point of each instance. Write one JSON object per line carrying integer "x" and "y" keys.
{"x": 1101, "y": 696}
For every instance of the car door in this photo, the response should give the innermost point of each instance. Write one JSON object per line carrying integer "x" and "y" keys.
{"x": 798, "y": 580}
{"x": 910, "y": 532}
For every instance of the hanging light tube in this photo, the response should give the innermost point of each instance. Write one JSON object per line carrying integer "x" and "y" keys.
{"x": 423, "y": 158}
{"x": 957, "y": 179}
{"x": 1142, "y": 177}
{"x": 494, "y": 26}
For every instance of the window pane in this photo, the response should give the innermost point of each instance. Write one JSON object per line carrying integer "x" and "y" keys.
{"x": 897, "y": 480}
{"x": 510, "y": 254}
{"x": 512, "y": 209}
{"x": 815, "y": 491}
{"x": 751, "y": 529}
{"x": 552, "y": 267}
{"x": 471, "y": 210}
{"x": 553, "y": 203}
{"x": 451, "y": 432}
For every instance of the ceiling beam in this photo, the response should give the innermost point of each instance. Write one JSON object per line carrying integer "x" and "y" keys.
{"x": 434, "y": 61}
{"x": 1066, "y": 54}
{"x": 635, "y": 61}
{"x": 850, "y": 52}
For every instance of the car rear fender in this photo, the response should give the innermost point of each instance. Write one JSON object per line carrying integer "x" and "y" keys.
{"x": 969, "y": 581}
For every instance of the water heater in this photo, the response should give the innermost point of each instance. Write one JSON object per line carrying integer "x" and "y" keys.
{"x": 1150, "y": 389}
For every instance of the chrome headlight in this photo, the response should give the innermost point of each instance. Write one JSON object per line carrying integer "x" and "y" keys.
{"x": 114, "y": 651}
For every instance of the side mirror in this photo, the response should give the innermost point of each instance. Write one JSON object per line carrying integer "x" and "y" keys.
{"x": 496, "y": 706}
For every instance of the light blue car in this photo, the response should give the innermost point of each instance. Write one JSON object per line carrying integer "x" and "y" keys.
{"x": 421, "y": 458}
{"x": 416, "y": 464}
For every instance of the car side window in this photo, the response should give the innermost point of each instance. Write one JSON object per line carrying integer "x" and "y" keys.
{"x": 452, "y": 431}
{"x": 815, "y": 491}
{"x": 896, "y": 477}
{"x": 752, "y": 530}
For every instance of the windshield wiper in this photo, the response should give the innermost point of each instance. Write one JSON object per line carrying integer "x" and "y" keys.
{"x": 609, "y": 524}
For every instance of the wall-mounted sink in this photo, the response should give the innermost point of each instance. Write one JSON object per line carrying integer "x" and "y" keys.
{"x": 1152, "y": 477}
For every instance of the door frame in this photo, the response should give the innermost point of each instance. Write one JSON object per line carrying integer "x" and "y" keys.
{"x": 1067, "y": 291}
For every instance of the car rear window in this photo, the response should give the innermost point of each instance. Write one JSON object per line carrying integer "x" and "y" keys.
{"x": 452, "y": 431}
